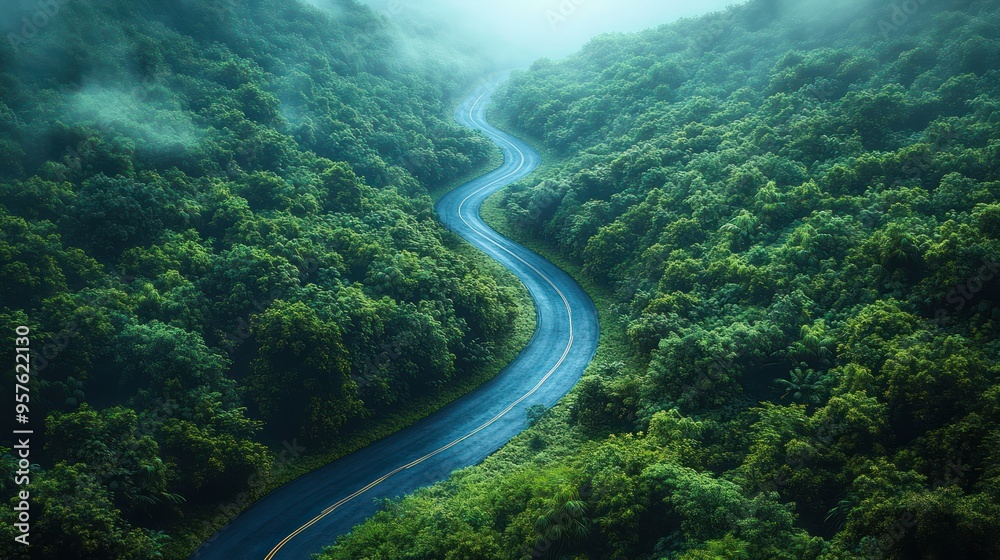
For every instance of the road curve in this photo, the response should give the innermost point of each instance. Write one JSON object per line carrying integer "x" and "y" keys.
{"x": 302, "y": 517}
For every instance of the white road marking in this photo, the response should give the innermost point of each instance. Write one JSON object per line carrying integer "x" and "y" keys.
{"x": 569, "y": 346}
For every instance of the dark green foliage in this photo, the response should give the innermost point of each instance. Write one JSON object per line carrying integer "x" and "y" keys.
{"x": 302, "y": 366}
{"x": 215, "y": 219}
{"x": 795, "y": 216}
{"x": 76, "y": 519}
{"x": 118, "y": 455}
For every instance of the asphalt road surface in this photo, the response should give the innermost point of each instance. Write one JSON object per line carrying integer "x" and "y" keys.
{"x": 302, "y": 517}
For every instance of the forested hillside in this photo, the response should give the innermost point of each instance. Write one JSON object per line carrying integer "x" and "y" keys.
{"x": 792, "y": 208}
{"x": 215, "y": 223}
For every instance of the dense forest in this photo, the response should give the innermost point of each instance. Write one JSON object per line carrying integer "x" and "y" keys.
{"x": 789, "y": 213}
{"x": 216, "y": 224}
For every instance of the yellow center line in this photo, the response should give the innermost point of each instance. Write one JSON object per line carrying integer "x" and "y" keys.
{"x": 569, "y": 346}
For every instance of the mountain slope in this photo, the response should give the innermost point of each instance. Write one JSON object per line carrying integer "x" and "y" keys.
{"x": 216, "y": 225}
{"x": 297, "y": 519}
{"x": 792, "y": 209}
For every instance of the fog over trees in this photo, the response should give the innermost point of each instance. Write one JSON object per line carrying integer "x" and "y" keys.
{"x": 514, "y": 33}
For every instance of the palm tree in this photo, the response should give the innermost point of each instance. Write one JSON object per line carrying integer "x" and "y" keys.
{"x": 565, "y": 523}
{"x": 804, "y": 385}
{"x": 743, "y": 228}
{"x": 899, "y": 248}
{"x": 813, "y": 346}
{"x": 837, "y": 517}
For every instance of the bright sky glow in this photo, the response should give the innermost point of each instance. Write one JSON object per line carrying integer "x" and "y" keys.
{"x": 519, "y": 31}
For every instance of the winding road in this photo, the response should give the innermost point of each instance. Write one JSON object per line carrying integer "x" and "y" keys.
{"x": 300, "y": 518}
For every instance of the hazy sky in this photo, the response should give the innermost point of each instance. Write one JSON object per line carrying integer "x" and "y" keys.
{"x": 519, "y": 31}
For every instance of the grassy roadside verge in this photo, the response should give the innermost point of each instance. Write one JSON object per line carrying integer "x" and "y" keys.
{"x": 196, "y": 529}
{"x": 554, "y": 441}
{"x": 612, "y": 345}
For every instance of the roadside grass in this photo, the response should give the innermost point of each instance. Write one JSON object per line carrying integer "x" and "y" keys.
{"x": 554, "y": 441}
{"x": 612, "y": 345}
{"x": 564, "y": 440}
